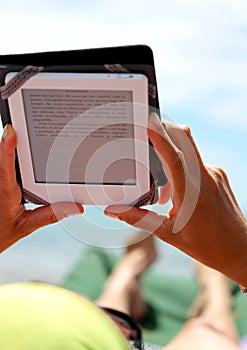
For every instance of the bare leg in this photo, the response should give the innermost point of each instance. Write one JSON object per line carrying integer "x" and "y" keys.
{"x": 122, "y": 289}
{"x": 213, "y": 328}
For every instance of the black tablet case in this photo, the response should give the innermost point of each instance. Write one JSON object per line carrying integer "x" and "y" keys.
{"x": 125, "y": 59}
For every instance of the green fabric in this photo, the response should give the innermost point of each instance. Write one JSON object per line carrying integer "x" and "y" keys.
{"x": 168, "y": 297}
{"x": 44, "y": 317}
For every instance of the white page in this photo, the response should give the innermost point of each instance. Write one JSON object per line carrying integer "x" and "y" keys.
{"x": 75, "y": 116}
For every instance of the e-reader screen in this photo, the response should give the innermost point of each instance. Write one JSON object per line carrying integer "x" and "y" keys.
{"x": 82, "y": 136}
{"x": 88, "y": 118}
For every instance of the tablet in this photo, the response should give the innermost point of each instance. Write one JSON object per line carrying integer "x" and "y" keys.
{"x": 82, "y": 137}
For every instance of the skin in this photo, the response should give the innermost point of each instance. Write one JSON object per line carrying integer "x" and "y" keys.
{"x": 212, "y": 318}
{"x": 16, "y": 221}
{"x": 215, "y": 231}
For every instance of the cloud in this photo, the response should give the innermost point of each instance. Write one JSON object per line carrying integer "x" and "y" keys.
{"x": 199, "y": 47}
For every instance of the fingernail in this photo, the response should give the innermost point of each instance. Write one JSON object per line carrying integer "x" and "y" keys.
{"x": 74, "y": 210}
{"x": 111, "y": 215}
{"x": 7, "y": 132}
{"x": 155, "y": 124}
{"x": 64, "y": 210}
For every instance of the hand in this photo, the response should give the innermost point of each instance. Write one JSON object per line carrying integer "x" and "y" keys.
{"x": 205, "y": 220}
{"x": 16, "y": 221}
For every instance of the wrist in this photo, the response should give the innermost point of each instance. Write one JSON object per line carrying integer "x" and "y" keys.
{"x": 237, "y": 268}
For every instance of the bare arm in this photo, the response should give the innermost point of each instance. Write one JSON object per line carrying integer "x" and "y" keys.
{"x": 205, "y": 220}
{"x": 16, "y": 221}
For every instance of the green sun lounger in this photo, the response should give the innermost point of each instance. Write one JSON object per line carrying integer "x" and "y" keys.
{"x": 169, "y": 298}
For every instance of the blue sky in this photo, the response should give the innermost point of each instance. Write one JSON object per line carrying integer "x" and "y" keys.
{"x": 200, "y": 51}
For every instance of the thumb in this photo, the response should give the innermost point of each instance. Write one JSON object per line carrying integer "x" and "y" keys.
{"x": 43, "y": 216}
{"x": 7, "y": 157}
{"x": 143, "y": 219}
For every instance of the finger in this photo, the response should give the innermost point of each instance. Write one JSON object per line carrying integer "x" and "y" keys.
{"x": 165, "y": 193}
{"x": 144, "y": 219}
{"x": 169, "y": 155}
{"x": 183, "y": 139}
{"x": 193, "y": 167}
{"x": 31, "y": 220}
{"x": 221, "y": 180}
{"x": 7, "y": 158}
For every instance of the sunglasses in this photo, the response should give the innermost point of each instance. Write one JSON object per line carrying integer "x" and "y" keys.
{"x": 129, "y": 327}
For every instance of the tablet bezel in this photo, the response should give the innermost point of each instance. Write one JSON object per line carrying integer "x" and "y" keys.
{"x": 85, "y": 193}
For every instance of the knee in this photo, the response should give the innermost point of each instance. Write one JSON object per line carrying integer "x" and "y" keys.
{"x": 198, "y": 325}
{"x": 201, "y": 325}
